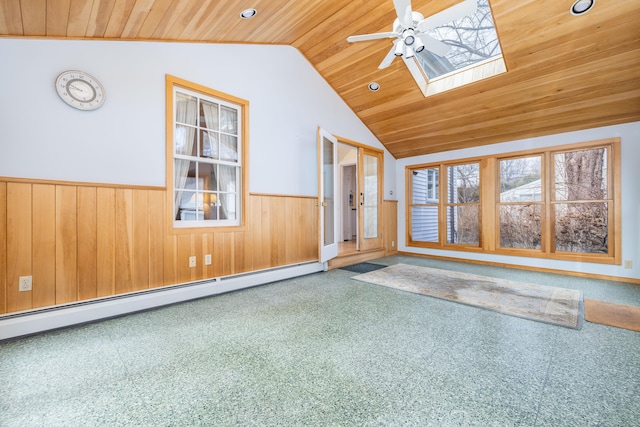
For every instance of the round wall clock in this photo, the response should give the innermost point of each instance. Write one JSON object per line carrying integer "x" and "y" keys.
{"x": 80, "y": 90}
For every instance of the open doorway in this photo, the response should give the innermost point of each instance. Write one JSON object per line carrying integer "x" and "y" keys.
{"x": 348, "y": 187}
{"x": 349, "y": 200}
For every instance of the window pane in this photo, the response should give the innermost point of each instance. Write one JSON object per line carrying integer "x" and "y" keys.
{"x": 424, "y": 223}
{"x": 520, "y": 226}
{"x": 186, "y": 109}
{"x": 227, "y": 178}
{"x": 370, "y": 207}
{"x": 209, "y": 145}
{"x": 208, "y": 115}
{"x": 581, "y": 175}
{"x": 472, "y": 39}
{"x": 228, "y": 206}
{"x": 185, "y": 140}
{"x": 464, "y": 183}
{"x": 229, "y": 120}
{"x": 582, "y": 227}
{"x": 228, "y": 148}
{"x": 425, "y": 185}
{"x": 463, "y": 225}
{"x": 520, "y": 180}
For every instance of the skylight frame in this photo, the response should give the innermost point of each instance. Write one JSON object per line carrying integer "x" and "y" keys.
{"x": 480, "y": 70}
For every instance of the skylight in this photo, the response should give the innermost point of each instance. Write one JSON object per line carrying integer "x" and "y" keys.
{"x": 475, "y": 53}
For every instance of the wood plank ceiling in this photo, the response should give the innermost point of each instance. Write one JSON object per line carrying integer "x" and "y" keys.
{"x": 565, "y": 73}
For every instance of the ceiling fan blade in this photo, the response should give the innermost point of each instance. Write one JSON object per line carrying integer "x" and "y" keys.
{"x": 434, "y": 45}
{"x": 460, "y": 10}
{"x": 389, "y": 58}
{"x": 403, "y": 10}
{"x": 374, "y": 36}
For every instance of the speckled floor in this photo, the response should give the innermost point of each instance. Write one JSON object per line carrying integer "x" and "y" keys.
{"x": 325, "y": 350}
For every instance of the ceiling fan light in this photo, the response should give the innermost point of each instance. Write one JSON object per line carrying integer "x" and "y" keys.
{"x": 580, "y": 7}
{"x": 409, "y": 52}
{"x": 419, "y": 45}
{"x": 399, "y": 50}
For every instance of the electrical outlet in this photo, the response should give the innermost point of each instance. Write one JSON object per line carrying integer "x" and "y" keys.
{"x": 628, "y": 263}
{"x": 393, "y": 243}
{"x": 207, "y": 259}
{"x": 192, "y": 261}
{"x": 24, "y": 283}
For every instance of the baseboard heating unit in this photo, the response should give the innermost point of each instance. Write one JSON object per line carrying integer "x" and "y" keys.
{"x": 30, "y": 322}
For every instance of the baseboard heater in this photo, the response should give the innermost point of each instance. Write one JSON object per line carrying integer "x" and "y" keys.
{"x": 45, "y": 319}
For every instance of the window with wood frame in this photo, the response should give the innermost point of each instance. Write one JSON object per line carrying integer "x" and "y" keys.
{"x": 206, "y": 170}
{"x": 559, "y": 202}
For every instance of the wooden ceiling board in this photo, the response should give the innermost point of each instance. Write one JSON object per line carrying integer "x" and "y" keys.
{"x": 57, "y": 17}
{"x": 34, "y": 17}
{"x": 564, "y": 73}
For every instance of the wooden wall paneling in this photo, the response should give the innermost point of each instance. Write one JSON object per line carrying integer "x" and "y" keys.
{"x": 156, "y": 237}
{"x": 170, "y": 264}
{"x": 105, "y": 241}
{"x": 293, "y": 247}
{"x": 228, "y": 257}
{"x": 3, "y": 247}
{"x": 217, "y": 257}
{"x": 309, "y": 232}
{"x": 182, "y": 260}
{"x": 66, "y": 244}
{"x": 124, "y": 241}
{"x": 19, "y": 261}
{"x": 87, "y": 242}
{"x": 249, "y": 235}
{"x": 44, "y": 245}
{"x": 18, "y": 244}
{"x": 239, "y": 251}
{"x": 278, "y": 231}
{"x": 266, "y": 233}
{"x": 256, "y": 224}
{"x": 207, "y": 248}
{"x": 196, "y": 250}
{"x": 390, "y": 226}
{"x": 141, "y": 251}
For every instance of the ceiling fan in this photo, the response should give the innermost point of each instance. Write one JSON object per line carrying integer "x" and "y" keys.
{"x": 410, "y": 28}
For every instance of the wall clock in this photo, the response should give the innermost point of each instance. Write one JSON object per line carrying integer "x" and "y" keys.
{"x": 80, "y": 90}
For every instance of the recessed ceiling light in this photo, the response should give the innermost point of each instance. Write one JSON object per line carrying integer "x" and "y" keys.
{"x": 248, "y": 13}
{"x": 582, "y": 6}
{"x": 374, "y": 86}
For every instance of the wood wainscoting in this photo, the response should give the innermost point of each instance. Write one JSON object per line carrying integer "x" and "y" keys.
{"x": 82, "y": 241}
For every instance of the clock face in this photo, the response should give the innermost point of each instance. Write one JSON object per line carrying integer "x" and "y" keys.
{"x": 80, "y": 90}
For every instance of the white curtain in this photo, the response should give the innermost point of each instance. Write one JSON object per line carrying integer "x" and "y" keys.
{"x": 226, "y": 175}
{"x": 184, "y": 139}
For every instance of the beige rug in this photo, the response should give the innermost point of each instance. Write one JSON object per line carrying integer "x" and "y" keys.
{"x": 547, "y": 304}
{"x": 610, "y": 314}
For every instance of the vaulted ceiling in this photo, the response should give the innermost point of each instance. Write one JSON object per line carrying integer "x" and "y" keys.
{"x": 564, "y": 73}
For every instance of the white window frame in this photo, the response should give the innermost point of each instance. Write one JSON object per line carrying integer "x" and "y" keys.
{"x": 175, "y": 86}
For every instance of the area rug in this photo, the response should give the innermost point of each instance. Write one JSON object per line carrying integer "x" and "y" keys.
{"x": 610, "y": 314}
{"x": 557, "y": 306}
{"x": 363, "y": 267}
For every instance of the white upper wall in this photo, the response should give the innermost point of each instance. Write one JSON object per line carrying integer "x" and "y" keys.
{"x": 124, "y": 141}
{"x": 630, "y": 176}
